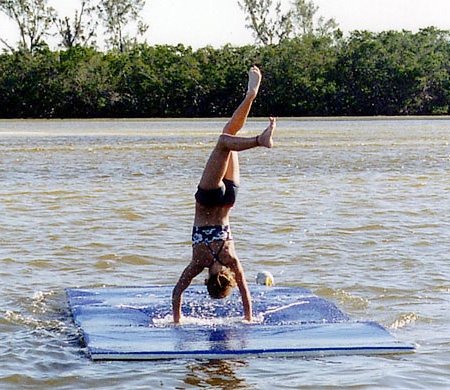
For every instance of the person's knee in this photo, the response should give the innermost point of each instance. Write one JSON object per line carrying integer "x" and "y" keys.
{"x": 222, "y": 142}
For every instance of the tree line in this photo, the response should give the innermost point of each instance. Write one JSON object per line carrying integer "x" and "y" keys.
{"x": 388, "y": 73}
{"x": 309, "y": 67}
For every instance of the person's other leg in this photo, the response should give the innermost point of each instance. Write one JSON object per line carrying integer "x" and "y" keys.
{"x": 222, "y": 160}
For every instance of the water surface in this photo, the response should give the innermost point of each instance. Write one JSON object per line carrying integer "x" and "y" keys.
{"x": 356, "y": 210}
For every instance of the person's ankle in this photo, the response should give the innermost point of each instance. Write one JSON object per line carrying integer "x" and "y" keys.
{"x": 251, "y": 95}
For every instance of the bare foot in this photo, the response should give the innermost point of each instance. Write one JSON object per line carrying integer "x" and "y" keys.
{"x": 254, "y": 80}
{"x": 265, "y": 138}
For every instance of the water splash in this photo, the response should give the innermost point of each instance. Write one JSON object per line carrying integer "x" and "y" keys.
{"x": 167, "y": 321}
{"x": 348, "y": 299}
{"x": 404, "y": 320}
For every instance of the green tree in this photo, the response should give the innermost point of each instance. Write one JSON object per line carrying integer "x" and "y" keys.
{"x": 297, "y": 76}
{"x": 369, "y": 76}
{"x": 29, "y": 83}
{"x": 222, "y": 79}
{"x": 432, "y": 59}
{"x": 86, "y": 86}
{"x": 393, "y": 73}
{"x": 33, "y": 19}
{"x": 116, "y": 15}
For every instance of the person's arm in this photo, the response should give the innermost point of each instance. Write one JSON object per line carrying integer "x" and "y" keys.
{"x": 243, "y": 289}
{"x": 189, "y": 273}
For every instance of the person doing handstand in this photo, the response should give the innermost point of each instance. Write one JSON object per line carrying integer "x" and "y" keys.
{"x": 212, "y": 243}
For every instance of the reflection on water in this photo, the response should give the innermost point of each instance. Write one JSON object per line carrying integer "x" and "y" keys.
{"x": 216, "y": 374}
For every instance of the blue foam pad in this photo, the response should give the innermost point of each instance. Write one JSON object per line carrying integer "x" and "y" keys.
{"x": 135, "y": 323}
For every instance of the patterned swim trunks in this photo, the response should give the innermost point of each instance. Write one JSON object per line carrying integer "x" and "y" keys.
{"x": 211, "y": 233}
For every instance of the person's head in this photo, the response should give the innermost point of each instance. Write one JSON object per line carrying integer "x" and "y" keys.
{"x": 220, "y": 284}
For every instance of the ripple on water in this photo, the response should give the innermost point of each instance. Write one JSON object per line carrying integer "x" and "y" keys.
{"x": 357, "y": 211}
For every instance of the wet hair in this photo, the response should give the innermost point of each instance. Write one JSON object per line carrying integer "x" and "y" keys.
{"x": 219, "y": 285}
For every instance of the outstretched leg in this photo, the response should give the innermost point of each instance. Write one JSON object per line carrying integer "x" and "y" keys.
{"x": 239, "y": 117}
{"x": 218, "y": 163}
{"x": 237, "y": 121}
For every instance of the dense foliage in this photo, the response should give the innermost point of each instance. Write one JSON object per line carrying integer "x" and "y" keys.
{"x": 389, "y": 73}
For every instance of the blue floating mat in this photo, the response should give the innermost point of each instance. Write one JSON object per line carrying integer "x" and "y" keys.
{"x": 135, "y": 323}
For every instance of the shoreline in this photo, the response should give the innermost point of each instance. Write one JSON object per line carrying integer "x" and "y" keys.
{"x": 250, "y": 119}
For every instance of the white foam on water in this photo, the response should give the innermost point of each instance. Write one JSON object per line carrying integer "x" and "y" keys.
{"x": 206, "y": 321}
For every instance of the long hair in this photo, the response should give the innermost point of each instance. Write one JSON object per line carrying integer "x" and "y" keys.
{"x": 219, "y": 285}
